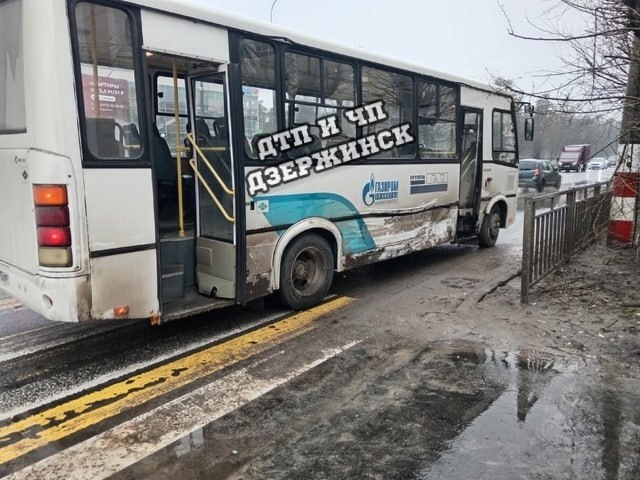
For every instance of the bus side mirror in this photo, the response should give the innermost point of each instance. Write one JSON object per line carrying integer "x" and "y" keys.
{"x": 528, "y": 128}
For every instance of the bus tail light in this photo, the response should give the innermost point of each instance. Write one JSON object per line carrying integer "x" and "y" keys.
{"x": 52, "y": 216}
{"x": 50, "y": 195}
{"x": 54, "y": 237}
{"x": 52, "y": 225}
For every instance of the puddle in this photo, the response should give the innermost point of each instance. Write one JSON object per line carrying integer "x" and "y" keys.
{"x": 447, "y": 412}
{"x": 556, "y": 419}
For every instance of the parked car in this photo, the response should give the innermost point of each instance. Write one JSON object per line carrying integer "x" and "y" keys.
{"x": 538, "y": 174}
{"x": 597, "y": 163}
{"x": 612, "y": 161}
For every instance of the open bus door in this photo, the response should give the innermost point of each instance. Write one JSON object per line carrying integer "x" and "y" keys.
{"x": 117, "y": 174}
{"x": 470, "y": 171}
{"x": 195, "y": 188}
{"x": 210, "y": 140}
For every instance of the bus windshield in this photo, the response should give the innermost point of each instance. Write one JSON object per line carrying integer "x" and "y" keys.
{"x": 12, "y": 111}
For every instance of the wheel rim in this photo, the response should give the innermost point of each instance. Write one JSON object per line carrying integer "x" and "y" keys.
{"x": 306, "y": 272}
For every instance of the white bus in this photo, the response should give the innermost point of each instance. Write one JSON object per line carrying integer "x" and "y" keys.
{"x": 160, "y": 159}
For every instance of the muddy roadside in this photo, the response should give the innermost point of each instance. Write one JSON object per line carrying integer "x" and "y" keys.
{"x": 590, "y": 306}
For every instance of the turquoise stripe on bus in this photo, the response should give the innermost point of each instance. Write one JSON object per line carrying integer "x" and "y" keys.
{"x": 290, "y": 209}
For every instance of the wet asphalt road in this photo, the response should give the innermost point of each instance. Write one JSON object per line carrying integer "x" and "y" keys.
{"x": 368, "y": 390}
{"x": 453, "y": 411}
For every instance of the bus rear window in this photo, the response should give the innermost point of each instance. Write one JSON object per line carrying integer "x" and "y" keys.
{"x": 12, "y": 111}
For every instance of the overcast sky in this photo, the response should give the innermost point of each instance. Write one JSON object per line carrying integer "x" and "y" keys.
{"x": 464, "y": 37}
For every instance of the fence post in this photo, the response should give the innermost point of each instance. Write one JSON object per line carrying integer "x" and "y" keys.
{"x": 602, "y": 217}
{"x": 527, "y": 248}
{"x": 569, "y": 226}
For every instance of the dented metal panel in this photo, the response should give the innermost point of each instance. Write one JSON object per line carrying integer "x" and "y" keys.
{"x": 397, "y": 236}
{"x": 128, "y": 279}
{"x": 373, "y": 212}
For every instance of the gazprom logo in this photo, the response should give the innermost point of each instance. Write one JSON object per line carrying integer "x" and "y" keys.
{"x": 383, "y": 191}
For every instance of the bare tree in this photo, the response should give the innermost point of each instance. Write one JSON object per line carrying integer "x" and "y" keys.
{"x": 599, "y": 54}
{"x": 601, "y": 76}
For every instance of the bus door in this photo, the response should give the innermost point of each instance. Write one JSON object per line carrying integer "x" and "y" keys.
{"x": 117, "y": 175}
{"x": 212, "y": 163}
{"x": 470, "y": 170}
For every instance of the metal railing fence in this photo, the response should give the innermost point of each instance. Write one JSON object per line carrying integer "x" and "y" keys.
{"x": 557, "y": 225}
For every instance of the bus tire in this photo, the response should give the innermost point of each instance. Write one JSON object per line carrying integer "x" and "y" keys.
{"x": 306, "y": 271}
{"x": 488, "y": 235}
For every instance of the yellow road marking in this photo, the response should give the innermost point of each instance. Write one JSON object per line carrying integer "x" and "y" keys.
{"x": 75, "y": 415}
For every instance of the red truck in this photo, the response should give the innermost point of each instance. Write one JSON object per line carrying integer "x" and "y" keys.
{"x": 574, "y": 157}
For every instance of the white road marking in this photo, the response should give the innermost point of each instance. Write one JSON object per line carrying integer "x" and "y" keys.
{"x": 67, "y": 333}
{"x": 26, "y": 333}
{"x": 10, "y": 304}
{"x": 122, "y": 446}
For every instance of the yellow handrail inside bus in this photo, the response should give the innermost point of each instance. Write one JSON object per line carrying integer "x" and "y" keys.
{"x": 213, "y": 149}
{"x": 176, "y": 116}
{"x": 204, "y": 158}
{"x": 192, "y": 162}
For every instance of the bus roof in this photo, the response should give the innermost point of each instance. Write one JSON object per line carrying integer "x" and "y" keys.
{"x": 198, "y": 12}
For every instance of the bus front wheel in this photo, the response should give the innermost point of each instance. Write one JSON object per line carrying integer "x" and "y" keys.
{"x": 306, "y": 271}
{"x": 488, "y": 235}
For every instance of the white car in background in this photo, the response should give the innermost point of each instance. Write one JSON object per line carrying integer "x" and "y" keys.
{"x": 597, "y": 163}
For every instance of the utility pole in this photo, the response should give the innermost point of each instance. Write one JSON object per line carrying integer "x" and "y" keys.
{"x": 623, "y": 218}
{"x": 630, "y": 128}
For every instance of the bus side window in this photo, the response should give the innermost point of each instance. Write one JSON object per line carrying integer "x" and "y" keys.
{"x": 259, "y": 109}
{"x": 396, "y": 91}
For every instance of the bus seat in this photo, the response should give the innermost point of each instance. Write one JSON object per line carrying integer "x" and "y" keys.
{"x": 220, "y": 128}
{"x": 305, "y": 150}
{"x": 203, "y": 134}
{"x": 406, "y": 150}
{"x": 131, "y": 140}
{"x": 254, "y": 142}
{"x": 165, "y": 164}
{"x": 101, "y": 137}
{"x": 248, "y": 150}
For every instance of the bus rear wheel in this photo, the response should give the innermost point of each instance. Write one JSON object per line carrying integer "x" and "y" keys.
{"x": 306, "y": 272}
{"x": 488, "y": 235}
